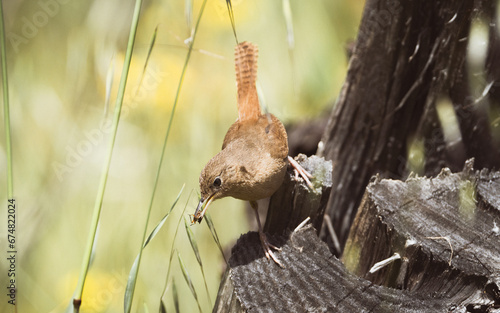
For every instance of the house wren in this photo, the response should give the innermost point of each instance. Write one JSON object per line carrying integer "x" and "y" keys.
{"x": 253, "y": 160}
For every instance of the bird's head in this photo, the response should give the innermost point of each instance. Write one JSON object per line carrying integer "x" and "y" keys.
{"x": 219, "y": 179}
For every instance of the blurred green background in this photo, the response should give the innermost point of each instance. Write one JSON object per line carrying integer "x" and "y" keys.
{"x": 59, "y": 57}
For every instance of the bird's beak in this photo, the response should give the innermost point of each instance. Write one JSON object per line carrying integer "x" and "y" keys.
{"x": 201, "y": 209}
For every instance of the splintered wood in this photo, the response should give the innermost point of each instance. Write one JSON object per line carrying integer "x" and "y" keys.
{"x": 443, "y": 229}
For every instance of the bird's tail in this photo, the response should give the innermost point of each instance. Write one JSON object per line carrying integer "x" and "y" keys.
{"x": 246, "y": 75}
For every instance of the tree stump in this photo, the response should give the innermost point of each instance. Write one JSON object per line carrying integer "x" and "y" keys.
{"x": 294, "y": 201}
{"x": 409, "y": 57}
{"x": 440, "y": 233}
{"x": 313, "y": 280}
{"x": 443, "y": 228}
{"x": 445, "y": 231}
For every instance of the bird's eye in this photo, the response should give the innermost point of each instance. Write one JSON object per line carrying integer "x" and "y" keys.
{"x": 217, "y": 181}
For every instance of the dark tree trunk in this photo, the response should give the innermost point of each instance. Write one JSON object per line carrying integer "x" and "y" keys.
{"x": 409, "y": 57}
{"x": 410, "y": 84}
{"x": 443, "y": 231}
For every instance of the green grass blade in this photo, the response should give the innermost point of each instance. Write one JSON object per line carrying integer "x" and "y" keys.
{"x": 188, "y": 280}
{"x": 231, "y": 17}
{"x": 6, "y": 107}
{"x": 194, "y": 245}
{"x": 188, "y": 11}
{"x": 150, "y": 50}
{"x": 175, "y": 295}
{"x": 160, "y": 224}
{"x": 134, "y": 271}
{"x": 130, "y": 289}
{"x": 192, "y": 241}
{"x": 172, "y": 250}
{"x": 104, "y": 173}
{"x": 206, "y": 285}
{"x": 183, "y": 73}
{"x": 211, "y": 227}
{"x": 162, "y": 307}
{"x": 176, "y": 100}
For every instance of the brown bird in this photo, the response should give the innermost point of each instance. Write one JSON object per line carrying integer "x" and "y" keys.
{"x": 253, "y": 160}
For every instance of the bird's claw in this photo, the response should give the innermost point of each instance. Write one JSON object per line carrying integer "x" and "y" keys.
{"x": 267, "y": 249}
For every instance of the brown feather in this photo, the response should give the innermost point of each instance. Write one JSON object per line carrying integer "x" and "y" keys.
{"x": 246, "y": 76}
{"x": 253, "y": 160}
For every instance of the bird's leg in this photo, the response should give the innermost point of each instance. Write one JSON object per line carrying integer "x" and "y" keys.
{"x": 300, "y": 170}
{"x": 263, "y": 239}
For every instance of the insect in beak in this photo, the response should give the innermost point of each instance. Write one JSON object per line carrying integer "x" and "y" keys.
{"x": 201, "y": 209}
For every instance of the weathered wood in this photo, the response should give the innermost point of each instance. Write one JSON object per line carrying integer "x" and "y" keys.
{"x": 295, "y": 201}
{"x": 408, "y": 56}
{"x": 395, "y": 217}
{"x": 313, "y": 280}
{"x": 292, "y": 203}
{"x": 227, "y": 301}
{"x": 445, "y": 230}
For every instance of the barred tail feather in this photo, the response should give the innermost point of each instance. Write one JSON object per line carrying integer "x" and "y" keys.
{"x": 246, "y": 75}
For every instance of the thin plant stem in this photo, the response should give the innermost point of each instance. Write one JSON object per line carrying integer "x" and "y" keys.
{"x": 172, "y": 113}
{"x": 6, "y": 108}
{"x": 130, "y": 289}
{"x": 194, "y": 246}
{"x": 231, "y": 17}
{"x": 172, "y": 250}
{"x": 104, "y": 174}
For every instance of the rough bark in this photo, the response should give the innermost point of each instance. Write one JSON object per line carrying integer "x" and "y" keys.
{"x": 444, "y": 229}
{"x": 410, "y": 55}
{"x": 313, "y": 281}
{"x": 295, "y": 201}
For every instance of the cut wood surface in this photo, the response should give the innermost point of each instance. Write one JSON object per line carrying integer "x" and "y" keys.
{"x": 442, "y": 231}
{"x": 409, "y": 58}
{"x": 295, "y": 201}
{"x": 445, "y": 229}
{"x": 313, "y": 280}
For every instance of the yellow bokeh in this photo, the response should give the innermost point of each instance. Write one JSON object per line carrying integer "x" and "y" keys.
{"x": 65, "y": 57}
